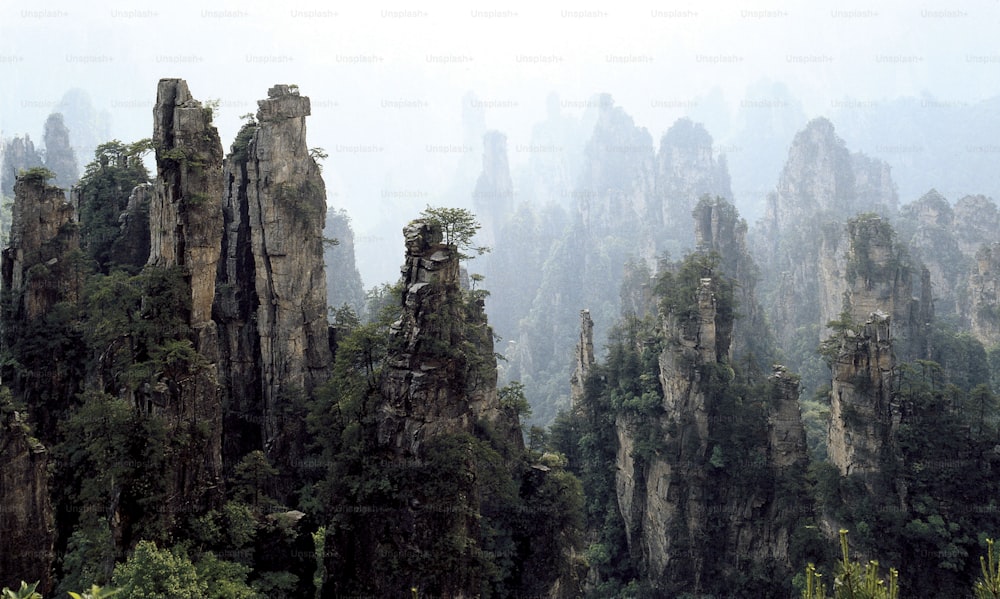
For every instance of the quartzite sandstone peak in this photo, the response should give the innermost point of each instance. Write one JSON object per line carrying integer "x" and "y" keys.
{"x": 441, "y": 370}
{"x": 271, "y": 301}
{"x": 493, "y": 197}
{"x": 677, "y": 498}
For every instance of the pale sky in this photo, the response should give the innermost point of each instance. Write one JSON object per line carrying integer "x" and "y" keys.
{"x": 393, "y": 75}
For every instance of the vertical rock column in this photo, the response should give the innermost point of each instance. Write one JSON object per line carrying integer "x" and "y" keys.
{"x": 274, "y": 301}
{"x": 985, "y": 286}
{"x": 37, "y": 273}
{"x": 185, "y": 222}
{"x": 861, "y": 415}
{"x": 583, "y": 358}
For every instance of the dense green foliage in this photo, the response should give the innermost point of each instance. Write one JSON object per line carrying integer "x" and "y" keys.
{"x": 933, "y": 500}
{"x": 625, "y": 393}
{"x": 470, "y": 511}
{"x": 104, "y": 191}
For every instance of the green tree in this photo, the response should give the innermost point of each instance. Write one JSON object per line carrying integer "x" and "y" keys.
{"x": 152, "y": 573}
{"x": 853, "y": 581}
{"x": 459, "y": 227}
{"x": 988, "y": 586}
{"x": 38, "y": 175}
{"x": 104, "y": 190}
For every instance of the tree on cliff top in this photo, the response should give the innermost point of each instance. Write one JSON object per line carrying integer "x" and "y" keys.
{"x": 459, "y": 226}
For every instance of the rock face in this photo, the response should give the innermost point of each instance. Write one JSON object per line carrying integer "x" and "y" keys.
{"x": 631, "y": 203}
{"x": 718, "y": 228}
{"x": 271, "y": 302}
{"x": 686, "y": 170}
{"x": 185, "y": 225}
{"x": 493, "y": 197}
{"x": 799, "y": 242}
{"x": 37, "y": 273}
{"x": 43, "y": 231}
{"x": 878, "y": 273}
{"x": 134, "y": 236}
{"x": 946, "y": 240}
{"x": 343, "y": 281}
{"x": 977, "y": 221}
{"x": 185, "y": 220}
{"x": 583, "y": 357}
{"x": 985, "y": 287}
{"x": 27, "y": 526}
{"x": 861, "y": 412}
{"x": 59, "y": 155}
{"x": 441, "y": 371}
{"x": 699, "y": 491}
{"x": 18, "y": 154}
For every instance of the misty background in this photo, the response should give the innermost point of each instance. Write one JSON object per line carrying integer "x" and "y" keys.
{"x": 403, "y": 93}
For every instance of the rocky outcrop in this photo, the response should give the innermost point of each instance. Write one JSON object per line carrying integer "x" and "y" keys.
{"x": 631, "y": 205}
{"x": 786, "y": 433}
{"x": 493, "y": 197}
{"x": 27, "y": 527}
{"x": 133, "y": 244}
{"x": 928, "y": 227}
{"x": 271, "y": 303}
{"x": 879, "y": 279}
{"x": 874, "y": 189}
{"x": 185, "y": 225}
{"x": 862, "y": 416}
{"x": 686, "y": 170}
{"x": 59, "y": 155}
{"x": 614, "y": 191}
{"x": 583, "y": 357}
{"x": 984, "y": 285}
{"x": 44, "y": 231}
{"x": 719, "y": 229}
{"x": 38, "y": 272}
{"x": 185, "y": 220}
{"x": 977, "y": 221}
{"x": 817, "y": 178}
{"x": 343, "y": 281}
{"x": 440, "y": 376}
{"x": 699, "y": 490}
{"x": 19, "y": 154}
{"x": 800, "y": 244}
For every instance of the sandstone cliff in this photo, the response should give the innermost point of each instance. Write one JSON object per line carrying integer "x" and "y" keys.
{"x": 947, "y": 240}
{"x": 185, "y": 226}
{"x": 441, "y": 371}
{"x": 59, "y": 155}
{"x": 44, "y": 231}
{"x": 271, "y": 302}
{"x": 27, "y": 527}
{"x": 703, "y": 507}
{"x": 39, "y": 272}
{"x": 719, "y": 229}
{"x": 493, "y": 196}
{"x": 686, "y": 170}
{"x": 583, "y": 357}
{"x": 984, "y": 284}
{"x": 799, "y": 242}
{"x": 861, "y": 416}
{"x": 41, "y": 269}
{"x": 631, "y": 204}
{"x": 19, "y": 154}
{"x": 879, "y": 279}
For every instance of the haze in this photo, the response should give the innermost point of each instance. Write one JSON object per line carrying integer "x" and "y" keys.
{"x": 402, "y": 93}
